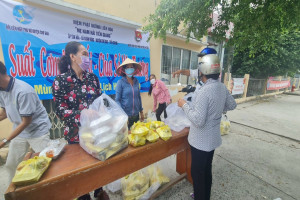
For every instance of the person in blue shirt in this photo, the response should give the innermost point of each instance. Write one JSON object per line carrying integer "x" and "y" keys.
{"x": 128, "y": 94}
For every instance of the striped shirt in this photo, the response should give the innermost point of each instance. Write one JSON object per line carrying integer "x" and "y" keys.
{"x": 205, "y": 112}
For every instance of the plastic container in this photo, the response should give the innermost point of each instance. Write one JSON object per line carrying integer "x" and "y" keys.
{"x": 54, "y": 148}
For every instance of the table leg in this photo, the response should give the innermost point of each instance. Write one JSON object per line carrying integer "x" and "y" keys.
{"x": 183, "y": 163}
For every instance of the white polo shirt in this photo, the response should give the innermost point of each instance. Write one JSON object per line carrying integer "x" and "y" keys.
{"x": 19, "y": 100}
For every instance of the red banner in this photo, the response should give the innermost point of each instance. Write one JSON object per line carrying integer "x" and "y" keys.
{"x": 276, "y": 85}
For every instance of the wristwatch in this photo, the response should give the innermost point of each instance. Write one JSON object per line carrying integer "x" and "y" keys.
{"x": 5, "y": 141}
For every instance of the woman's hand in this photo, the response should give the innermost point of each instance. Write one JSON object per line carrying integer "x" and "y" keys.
{"x": 181, "y": 102}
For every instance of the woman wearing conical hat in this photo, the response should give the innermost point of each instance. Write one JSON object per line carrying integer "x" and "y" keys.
{"x": 128, "y": 94}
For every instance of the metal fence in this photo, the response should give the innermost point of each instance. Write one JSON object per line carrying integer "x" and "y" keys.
{"x": 56, "y": 130}
{"x": 256, "y": 87}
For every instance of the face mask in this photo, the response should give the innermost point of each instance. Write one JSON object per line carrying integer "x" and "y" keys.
{"x": 129, "y": 72}
{"x": 85, "y": 63}
{"x": 152, "y": 81}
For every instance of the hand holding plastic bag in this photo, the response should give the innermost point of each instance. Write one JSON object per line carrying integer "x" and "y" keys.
{"x": 176, "y": 120}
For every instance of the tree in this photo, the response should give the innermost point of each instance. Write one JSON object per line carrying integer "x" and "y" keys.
{"x": 254, "y": 21}
{"x": 283, "y": 60}
{"x": 260, "y": 28}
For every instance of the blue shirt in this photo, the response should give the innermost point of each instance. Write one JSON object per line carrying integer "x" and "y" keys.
{"x": 129, "y": 97}
{"x": 205, "y": 112}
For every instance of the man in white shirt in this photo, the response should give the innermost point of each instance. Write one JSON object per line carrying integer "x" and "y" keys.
{"x": 205, "y": 112}
{"x": 21, "y": 105}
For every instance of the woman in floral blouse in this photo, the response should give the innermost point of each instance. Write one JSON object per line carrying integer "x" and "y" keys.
{"x": 74, "y": 90}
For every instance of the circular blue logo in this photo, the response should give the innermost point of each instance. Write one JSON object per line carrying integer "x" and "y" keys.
{"x": 22, "y": 14}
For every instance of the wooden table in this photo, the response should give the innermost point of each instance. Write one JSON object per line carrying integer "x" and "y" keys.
{"x": 76, "y": 172}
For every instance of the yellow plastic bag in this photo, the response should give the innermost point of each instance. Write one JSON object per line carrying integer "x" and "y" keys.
{"x": 136, "y": 140}
{"x": 152, "y": 136}
{"x": 156, "y": 124}
{"x": 31, "y": 170}
{"x": 140, "y": 130}
{"x": 156, "y": 175}
{"x": 148, "y": 124}
{"x": 225, "y": 125}
{"x": 164, "y": 132}
{"x": 139, "y": 123}
{"x": 134, "y": 185}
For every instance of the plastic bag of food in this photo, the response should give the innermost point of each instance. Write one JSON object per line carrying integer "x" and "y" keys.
{"x": 225, "y": 125}
{"x": 152, "y": 136}
{"x": 151, "y": 116}
{"x": 31, "y": 170}
{"x": 176, "y": 120}
{"x": 103, "y": 130}
{"x": 134, "y": 185}
{"x": 156, "y": 175}
{"x": 140, "y": 130}
{"x": 139, "y": 123}
{"x": 147, "y": 124}
{"x": 114, "y": 186}
{"x": 157, "y": 178}
{"x": 54, "y": 148}
{"x": 156, "y": 124}
{"x": 164, "y": 132}
{"x": 136, "y": 140}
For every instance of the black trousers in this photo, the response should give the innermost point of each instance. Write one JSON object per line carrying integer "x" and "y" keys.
{"x": 132, "y": 120}
{"x": 161, "y": 108}
{"x": 201, "y": 173}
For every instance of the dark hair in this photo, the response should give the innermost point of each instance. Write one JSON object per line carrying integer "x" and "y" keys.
{"x": 65, "y": 60}
{"x": 150, "y": 89}
{"x": 2, "y": 68}
{"x": 213, "y": 76}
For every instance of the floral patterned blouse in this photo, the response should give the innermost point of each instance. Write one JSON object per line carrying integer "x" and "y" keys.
{"x": 71, "y": 96}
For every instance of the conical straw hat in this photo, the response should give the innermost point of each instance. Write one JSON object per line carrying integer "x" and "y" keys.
{"x": 136, "y": 65}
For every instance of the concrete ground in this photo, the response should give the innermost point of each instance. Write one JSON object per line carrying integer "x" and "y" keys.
{"x": 252, "y": 162}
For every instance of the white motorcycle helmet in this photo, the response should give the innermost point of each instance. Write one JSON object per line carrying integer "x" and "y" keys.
{"x": 209, "y": 64}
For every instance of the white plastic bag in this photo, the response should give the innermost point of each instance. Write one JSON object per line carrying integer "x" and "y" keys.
{"x": 176, "y": 120}
{"x": 225, "y": 125}
{"x": 151, "y": 116}
{"x": 114, "y": 186}
{"x": 103, "y": 130}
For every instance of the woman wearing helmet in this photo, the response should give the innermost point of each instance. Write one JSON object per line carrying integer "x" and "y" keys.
{"x": 205, "y": 112}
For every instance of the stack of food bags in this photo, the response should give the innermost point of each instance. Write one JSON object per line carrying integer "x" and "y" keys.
{"x": 141, "y": 184}
{"x": 103, "y": 130}
{"x": 31, "y": 170}
{"x": 105, "y": 137}
{"x": 150, "y": 131}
